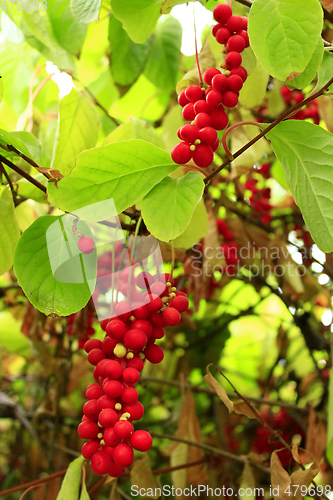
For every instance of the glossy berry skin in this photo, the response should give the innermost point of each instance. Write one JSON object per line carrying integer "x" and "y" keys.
{"x": 230, "y": 99}
{"x": 222, "y": 12}
{"x": 209, "y": 74}
{"x": 140, "y": 310}
{"x": 188, "y": 112}
{"x": 86, "y": 244}
{"x": 108, "y": 418}
{"x": 154, "y": 302}
{"x": 208, "y": 135}
{"x": 216, "y": 145}
{"x": 220, "y": 82}
{"x": 106, "y": 402}
{"x": 123, "y": 429}
{"x": 180, "y": 303}
{"x": 203, "y": 156}
{"x": 171, "y": 316}
{"x": 88, "y": 430}
{"x": 154, "y": 353}
{"x": 182, "y": 99}
{"x": 234, "y": 23}
{"x": 141, "y": 440}
{"x": 108, "y": 346}
{"x": 95, "y": 355}
{"x": 219, "y": 118}
{"x": 94, "y": 391}
{"x": 158, "y": 332}
{"x": 110, "y": 438}
{"x": 236, "y": 43}
{"x": 112, "y": 369}
{"x": 116, "y": 329}
{"x": 123, "y": 455}
{"x": 129, "y": 395}
{"x": 113, "y": 388}
{"x": 214, "y": 98}
{"x": 244, "y": 34}
{"x": 202, "y": 120}
{"x": 193, "y": 93}
{"x": 136, "y": 410}
{"x": 115, "y": 470}
{"x": 240, "y": 71}
{"x": 181, "y": 153}
{"x": 201, "y": 107}
{"x": 135, "y": 339}
{"x": 92, "y": 344}
{"x": 233, "y": 60}
{"x": 91, "y": 410}
{"x": 131, "y": 375}
{"x": 144, "y": 325}
{"x": 101, "y": 463}
{"x": 189, "y": 133}
{"x": 89, "y": 449}
{"x": 223, "y": 35}
{"x": 235, "y": 83}
{"x": 136, "y": 363}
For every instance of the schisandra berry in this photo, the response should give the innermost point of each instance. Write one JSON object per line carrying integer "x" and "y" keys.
{"x": 135, "y": 339}
{"x": 189, "y": 133}
{"x": 154, "y": 302}
{"x": 180, "y": 303}
{"x": 203, "y": 156}
{"x": 223, "y": 35}
{"x": 229, "y": 99}
{"x": 94, "y": 391}
{"x": 202, "y": 120}
{"x": 143, "y": 325}
{"x": 131, "y": 375}
{"x": 108, "y": 417}
{"x": 208, "y": 135}
{"x": 123, "y": 310}
{"x": 233, "y": 60}
{"x": 115, "y": 470}
{"x": 140, "y": 310}
{"x": 201, "y": 107}
{"x": 141, "y": 440}
{"x": 188, "y": 112}
{"x": 136, "y": 410}
{"x": 95, "y": 355}
{"x": 214, "y": 98}
{"x": 129, "y": 395}
{"x": 209, "y": 74}
{"x": 91, "y": 410}
{"x": 219, "y": 118}
{"x": 154, "y": 353}
{"x": 220, "y": 82}
{"x": 245, "y": 22}
{"x": 171, "y": 316}
{"x": 113, "y": 388}
{"x": 112, "y": 369}
{"x": 116, "y": 329}
{"x": 181, "y": 153}
{"x": 92, "y": 344}
{"x": 236, "y": 43}
{"x": 123, "y": 455}
{"x": 235, "y": 83}
{"x": 222, "y": 12}
{"x": 244, "y": 34}
{"x": 158, "y": 332}
{"x": 88, "y": 429}
{"x": 86, "y": 244}
{"x": 136, "y": 363}
{"x": 234, "y": 23}
{"x": 123, "y": 429}
{"x": 105, "y": 402}
{"x": 101, "y": 463}
{"x": 110, "y": 438}
{"x": 193, "y": 93}
{"x": 182, "y": 99}
{"x": 240, "y": 71}
{"x": 89, "y": 449}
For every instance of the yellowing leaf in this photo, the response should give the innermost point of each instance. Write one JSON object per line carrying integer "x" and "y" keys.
{"x": 142, "y": 477}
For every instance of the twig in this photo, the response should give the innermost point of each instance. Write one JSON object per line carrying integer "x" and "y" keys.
{"x": 27, "y": 491}
{"x": 3, "y": 170}
{"x": 26, "y": 158}
{"x": 33, "y": 483}
{"x": 21, "y": 172}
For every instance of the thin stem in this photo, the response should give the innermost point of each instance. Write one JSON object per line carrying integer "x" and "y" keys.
{"x": 33, "y": 483}
{"x": 3, "y": 170}
{"x": 172, "y": 258}
{"x": 196, "y": 169}
{"x": 229, "y": 129}
{"x": 26, "y": 158}
{"x": 21, "y": 172}
{"x": 27, "y": 491}
{"x": 282, "y": 117}
{"x": 196, "y": 49}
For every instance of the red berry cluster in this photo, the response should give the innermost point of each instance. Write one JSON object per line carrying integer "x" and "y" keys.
{"x": 205, "y": 108}
{"x": 229, "y": 247}
{"x": 88, "y": 332}
{"x": 113, "y": 403}
{"x": 292, "y": 97}
{"x": 259, "y": 200}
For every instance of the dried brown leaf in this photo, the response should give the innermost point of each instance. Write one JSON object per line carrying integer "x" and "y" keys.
{"x": 280, "y": 478}
{"x": 327, "y": 4}
{"x": 316, "y": 436}
{"x": 242, "y": 408}
{"x": 295, "y": 453}
{"x": 325, "y": 108}
{"x": 142, "y": 476}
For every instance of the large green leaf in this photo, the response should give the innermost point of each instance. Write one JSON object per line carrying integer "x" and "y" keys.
{"x": 196, "y": 229}
{"x": 54, "y": 275}
{"x": 28, "y": 190}
{"x": 135, "y": 129}
{"x": 305, "y": 151}
{"x": 77, "y": 130}
{"x": 85, "y": 11}
{"x": 125, "y": 171}
{"x": 162, "y": 65}
{"x": 69, "y": 32}
{"x": 303, "y": 80}
{"x": 254, "y": 88}
{"x": 139, "y": 17}
{"x": 124, "y": 49}
{"x": 71, "y": 483}
{"x": 168, "y": 208}
{"x": 284, "y": 34}
{"x": 325, "y": 70}
{"x": 9, "y": 230}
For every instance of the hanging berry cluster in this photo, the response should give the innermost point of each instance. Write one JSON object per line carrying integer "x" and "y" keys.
{"x": 205, "y": 108}
{"x": 229, "y": 247}
{"x": 113, "y": 403}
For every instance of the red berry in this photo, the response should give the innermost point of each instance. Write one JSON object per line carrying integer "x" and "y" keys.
{"x": 86, "y": 244}
{"x": 214, "y": 98}
{"x": 110, "y": 438}
{"x": 94, "y": 391}
{"x": 154, "y": 353}
{"x": 230, "y": 99}
{"x": 91, "y": 410}
{"x": 182, "y": 99}
{"x": 135, "y": 339}
{"x": 108, "y": 450}
{"x": 104, "y": 323}
{"x": 233, "y": 60}
{"x": 108, "y": 417}
{"x": 113, "y": 388}
{"x": 188, "y": 112}
{"x": 92, "y": 344}
{"x": 158, "y": 332}
{"x": 108, "y": 346}
{"x": 123, "y": 429}
{"x": 202, "y": 120}
{"x": 129, "y": 395}
{"x": 159, "y": 289}
{"x": 181, "y": 153}
{"x": 144, "y": 279}
{"x": 219, "y": 118}
{"x": 235, "y": 83}
{"x": 116, "y": 329}
{"x": 180, "y": 303}
{"x": 189, "y": 133}
{"x": 123, "y": 310}
{"x": 105, "y": 402}
{"x": 123, "y": 455}
{"x": 112, "y": 369}
{"x": 89, "y": 449}
{"x": 136, "y": 363}
{"x": 236, "y": 43}
{"x": 245, "y": 22}
{"x": 244, "y": 34}
{"x": 88, "y": 429}
{"x": 193, "y": 93}
{"x": 222, "y": 12}
{"x": 170, "y": 315}
{"x": 220, "y": 82}
{"x": 115, "y": 470}
{"x": 235, "y": 23}
{"x": 156, "y": 318}
{"x": 143, "y": 325}
{"x": 136, "y": 410}
{"x": 141, "y": 440}
{"x": 215, "y": 30}
{"x": 131, "y": 376}
{"x": 203, "y": 156}
{"x": 209, "y": 74}
{"x": 208, "y": 135}
{"x": 154, "y": 302}
{"x": 101, "y": 463}
{"x": 240, "y": 71}
{"x": 140, "y": 310}
{"x": 201, "y": 107}
{"x": 223, "y": 35}
{"x": 95, "y": 355}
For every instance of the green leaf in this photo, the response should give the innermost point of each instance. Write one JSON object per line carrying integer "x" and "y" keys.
{"x": 168, "y": 5}
{"x": 84, "y": 493}
{"x": 124, "y": 49}
{"x": 325, "y": 70}
{"x": 139, "y": 17}
{"x": 254, "y": 88}
{"x": 54, "y": 275}
{"x": 24, "y": 142}
{"x": 135, "y": 129}
{"x": 125, "y": 171}
{"x": 305, "y": 151}
{"x": 71, "y": 483}
{"x": 85, "y": 11}
{"x": 303, "y": 80}
{"x": 9, "y": 230}
{"x": 77, "y": 130}
{"x": 168, "y": 208}
{"x": 284, "y": 34}
{"x": 162, "y": 65}
{"x": 11, "y": 337}
{"x": 69, "y": 32}
{"x": 28, "y": 190}
{"x": 196, "y": 229}
{"x": 278, "y": 174}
